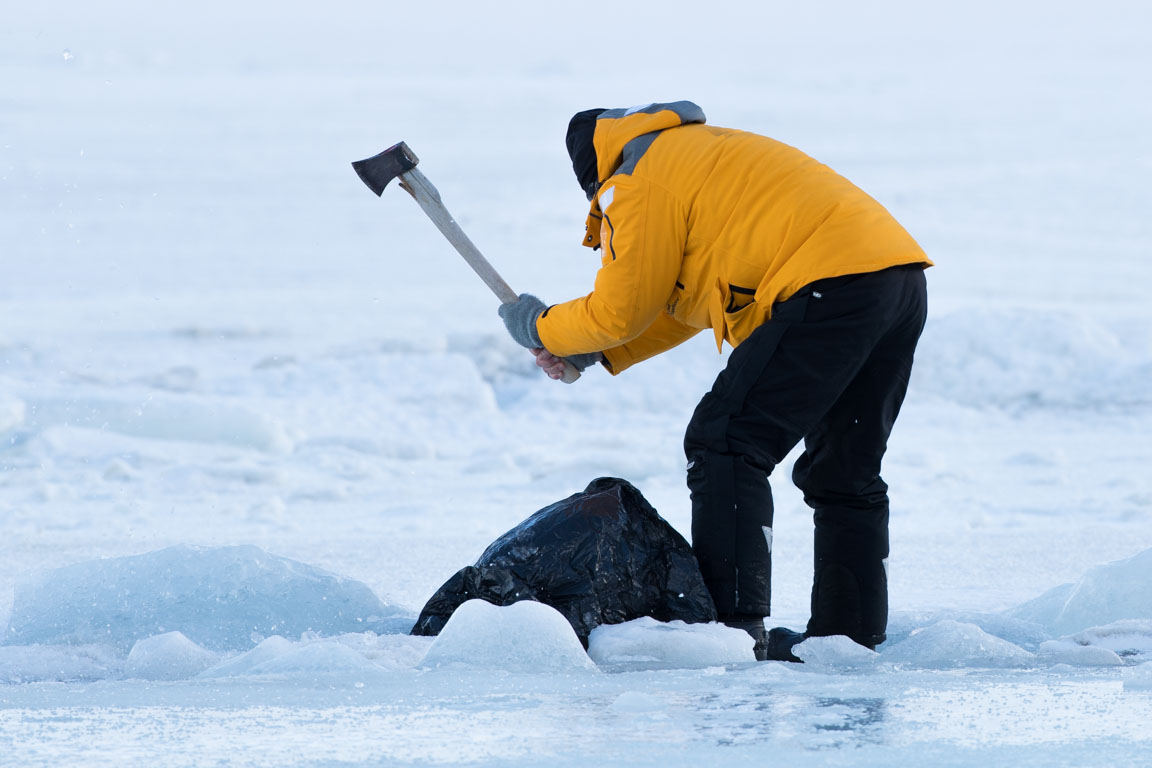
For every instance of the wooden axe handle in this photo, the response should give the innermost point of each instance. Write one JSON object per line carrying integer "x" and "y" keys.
{"x": 416, "y": 184}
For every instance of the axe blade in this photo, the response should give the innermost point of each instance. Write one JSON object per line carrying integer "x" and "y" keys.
{"x": 378, "y": 170}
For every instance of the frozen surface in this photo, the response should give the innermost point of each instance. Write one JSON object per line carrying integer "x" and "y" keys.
{"x": 218, "y": 597}
{"x": 211, "y": 335}
{"x": 1139, "y": 678}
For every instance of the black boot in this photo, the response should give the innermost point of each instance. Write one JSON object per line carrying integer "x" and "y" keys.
{"x": 755, "y": 629}
{"x": 841, "y": 605}
{"x": 850, "y": 579}
{"x": 780, "y": 642}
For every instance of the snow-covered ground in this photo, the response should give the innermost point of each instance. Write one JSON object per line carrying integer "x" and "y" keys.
{"x": 214, "y": 339}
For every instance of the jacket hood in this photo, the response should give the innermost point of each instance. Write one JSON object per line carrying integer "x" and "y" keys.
{"x": 581, "y": 149}
{"x": 621, "y": 137}
{"x": 616, "y": 129}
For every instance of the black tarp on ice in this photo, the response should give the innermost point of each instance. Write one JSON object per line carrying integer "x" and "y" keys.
{"x": 603, "y": 556}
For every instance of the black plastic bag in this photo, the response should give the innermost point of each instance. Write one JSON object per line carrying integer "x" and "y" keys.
{"x": 603, "y": 556}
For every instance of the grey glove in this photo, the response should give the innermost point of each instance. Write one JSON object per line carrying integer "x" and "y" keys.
{"x": 520, "y": 319}
{"x": 580, "y": 362}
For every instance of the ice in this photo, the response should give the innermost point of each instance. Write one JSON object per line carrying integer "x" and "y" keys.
{"x": 523, "y": 637}
{"x": 1131, "y": 639}
{"x": 950, "y": 643}
{"x": 211, "y": 334}
{"x": 638, "y": 701}
{"x": 217, "y": 596}
{"x": 161, "y": 417}
{"x": 170, "y": 656}
{"x": 836, "y": 652}
{"x": 391, "y": 651}
{"x": 1139, "y": 678}
{"x": 312, "y": 656}
{"x": 269, "y": 648}
{"x": 1106, "y": 593}
{"x": 1026, "y": 634}
{"x": 1077, "y": 655}
{"x": 322, "y": 658}
{"x": 39, "y": 663}
{"x": 646, "y": 641}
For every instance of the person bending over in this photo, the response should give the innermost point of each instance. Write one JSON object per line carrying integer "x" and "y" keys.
{"x": 820, "y": 292}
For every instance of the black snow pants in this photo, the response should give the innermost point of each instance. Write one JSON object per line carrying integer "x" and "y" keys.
{"x": 831, "y": 366}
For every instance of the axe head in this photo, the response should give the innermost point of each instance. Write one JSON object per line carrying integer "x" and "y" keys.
{"x": 380, "y": 169}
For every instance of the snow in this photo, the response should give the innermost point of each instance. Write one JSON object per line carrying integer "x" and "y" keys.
{"x": 11, "y": 413}
{"x": 214, "y": 340}
{"x": 523, "y": 637}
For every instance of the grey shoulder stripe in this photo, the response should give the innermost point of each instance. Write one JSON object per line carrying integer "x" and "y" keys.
{"x": 634, "y": 150}
{"x": 686, "y": 110}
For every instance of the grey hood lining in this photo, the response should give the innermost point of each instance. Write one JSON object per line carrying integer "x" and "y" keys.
{"x": 688, "y": 111}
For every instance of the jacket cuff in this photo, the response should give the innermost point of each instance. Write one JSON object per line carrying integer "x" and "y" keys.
{"x": 615, "y": 361}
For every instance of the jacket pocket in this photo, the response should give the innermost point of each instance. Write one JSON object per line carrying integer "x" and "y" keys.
{"x": 734, "y": 313}
{"x": 739, "y": 297}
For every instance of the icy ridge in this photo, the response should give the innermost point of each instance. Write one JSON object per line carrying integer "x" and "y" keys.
{"x": 219, "y": 597}
{"x": 236, "y": 612}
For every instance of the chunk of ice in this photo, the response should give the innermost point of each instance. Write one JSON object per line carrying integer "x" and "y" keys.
{"x": 836, "y": 651}
{"x": 357, "y": 653}
{"x": 1109, "y": 645}
{"x": 952, "y": 643}
{"x": 523, "y": 637}
{"x": 1105, "y": 594}
{"x": 1076, "y": 655}
{"x": 237, "y": 666}
{"x": 648, "y": 641}
{"x": 170, "y": 656}
{"x": 324, "y": 658}
{"x": 217, "y": 596}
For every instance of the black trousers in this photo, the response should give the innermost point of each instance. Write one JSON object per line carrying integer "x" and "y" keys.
{"x": 830, "y": 367}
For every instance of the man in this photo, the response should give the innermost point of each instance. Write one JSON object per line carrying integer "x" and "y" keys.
{"x": 820, "y": 292}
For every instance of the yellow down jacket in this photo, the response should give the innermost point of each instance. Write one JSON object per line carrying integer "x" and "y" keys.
{"x": 704, "y": 227}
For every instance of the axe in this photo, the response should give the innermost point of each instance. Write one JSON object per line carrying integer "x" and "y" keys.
{"x": 399, "y": 161}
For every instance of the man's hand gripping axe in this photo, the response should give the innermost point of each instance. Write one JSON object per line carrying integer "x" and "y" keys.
{"x": 400, "y": 162}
